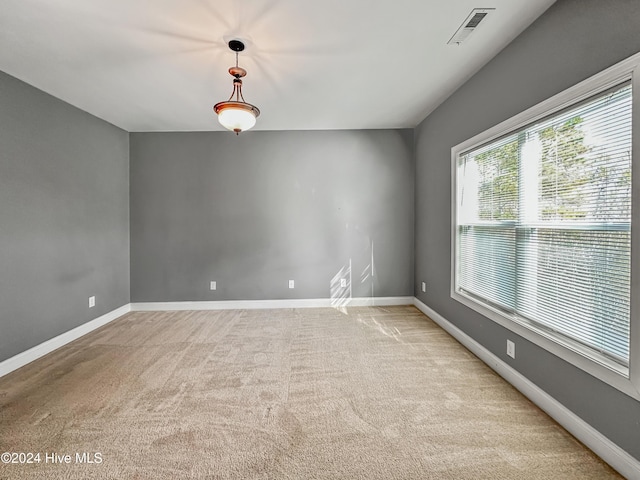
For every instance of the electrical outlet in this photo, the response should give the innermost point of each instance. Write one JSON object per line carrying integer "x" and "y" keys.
{"x": 424, "y": 286}
{"x": 92, "y": 301}
{"x": 511, "y": 349}
{"x": 291, "y": 284}
{"x": 213, "y": 285}
{"x": 343, "y": 282}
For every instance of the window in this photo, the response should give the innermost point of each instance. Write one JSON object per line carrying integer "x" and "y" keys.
{"x": 542, "y": 225}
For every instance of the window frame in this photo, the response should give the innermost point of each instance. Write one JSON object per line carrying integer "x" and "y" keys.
{"x": 626, "y": 380}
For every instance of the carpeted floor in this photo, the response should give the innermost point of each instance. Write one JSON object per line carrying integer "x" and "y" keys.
{"x": 370, "y": 393}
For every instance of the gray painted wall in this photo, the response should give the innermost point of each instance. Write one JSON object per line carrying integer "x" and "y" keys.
{"x": 573, "y": 40}
{"x": 64, "y": 217}
{"x": 254, "y": 211}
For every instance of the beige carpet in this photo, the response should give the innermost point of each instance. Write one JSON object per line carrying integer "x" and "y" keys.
{"x": 370, "y": 393}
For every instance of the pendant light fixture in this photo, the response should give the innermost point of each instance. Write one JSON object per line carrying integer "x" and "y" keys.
{"x": 235, "y": 114}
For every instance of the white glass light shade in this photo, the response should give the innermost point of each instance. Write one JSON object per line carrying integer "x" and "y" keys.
{"x": 236, "y": 116}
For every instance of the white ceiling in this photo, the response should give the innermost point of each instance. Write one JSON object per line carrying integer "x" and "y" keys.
{"x": 161, "y": 65}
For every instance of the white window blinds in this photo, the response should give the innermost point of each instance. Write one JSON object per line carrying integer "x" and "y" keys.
{"x": 543, "y": 224}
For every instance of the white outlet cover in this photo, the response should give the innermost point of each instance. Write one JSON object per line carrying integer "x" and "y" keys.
{"x": 511, "y": 349}
{"x": 424, "y": 286}
{"x": 343, "y": 282}
{"x": 213, "y": 285}
{"x": 92, "y": 301}
{"x": 291, "y": 284}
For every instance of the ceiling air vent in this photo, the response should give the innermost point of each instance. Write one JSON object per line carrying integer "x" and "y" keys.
{"x": 476, "y": 16}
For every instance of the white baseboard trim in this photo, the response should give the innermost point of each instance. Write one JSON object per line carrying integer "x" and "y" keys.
{"x": 267, "y": 304}
{"x": 611, "y": 453}
{"x": 28, "y": 356}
